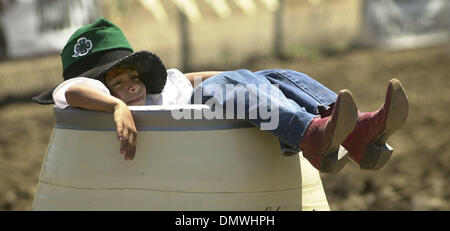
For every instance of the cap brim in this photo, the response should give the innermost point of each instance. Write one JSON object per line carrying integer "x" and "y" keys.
{"x": 45, "y": 97}
{"x": 152, "y": 73}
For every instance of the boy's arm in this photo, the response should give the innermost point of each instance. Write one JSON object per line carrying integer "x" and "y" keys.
{"x": 89, "y": 98}
{"x": 204, "y": 75}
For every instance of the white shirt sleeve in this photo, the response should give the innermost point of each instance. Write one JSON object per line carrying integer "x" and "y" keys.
{"x": 178, "y": 90}
{"x": 182, "y": 84}
{"x": 59, "y": 94}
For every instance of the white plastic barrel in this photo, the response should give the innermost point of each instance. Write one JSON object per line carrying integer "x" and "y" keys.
{"x": 187, "y": 164}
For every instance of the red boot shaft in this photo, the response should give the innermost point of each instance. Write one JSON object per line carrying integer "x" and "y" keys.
{"x": 367, "y": 143}
{"x": 321, "y": 142}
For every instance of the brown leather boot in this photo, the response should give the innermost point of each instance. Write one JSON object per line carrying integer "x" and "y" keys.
{"x": 321, "y": 143}
{"x": 367, "y": 145}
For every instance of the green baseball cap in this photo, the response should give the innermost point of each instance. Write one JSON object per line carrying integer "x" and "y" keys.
{"x": 96, "y": 48}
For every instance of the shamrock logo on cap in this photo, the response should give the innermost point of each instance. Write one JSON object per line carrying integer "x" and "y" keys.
{"x": 82, "y": 47}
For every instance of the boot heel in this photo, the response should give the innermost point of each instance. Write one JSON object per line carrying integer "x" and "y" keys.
{"x": 376, "y": 156}
{"x": 335, "y": 161}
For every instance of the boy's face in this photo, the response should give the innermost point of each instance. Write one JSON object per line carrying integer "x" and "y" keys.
{"x": 126, "y": 85}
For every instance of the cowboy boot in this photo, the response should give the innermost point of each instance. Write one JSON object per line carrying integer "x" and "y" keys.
{"x": 367, "y": 143}
{"x": 321, "y": 142}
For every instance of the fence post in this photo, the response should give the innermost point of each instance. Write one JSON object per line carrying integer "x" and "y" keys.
{"x": 185, "y": 43}
{"x": 278, "y": 31}
{"x": 3, "y": 44}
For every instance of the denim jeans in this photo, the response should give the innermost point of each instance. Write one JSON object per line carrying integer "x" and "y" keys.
{"x": 297, "y": 96}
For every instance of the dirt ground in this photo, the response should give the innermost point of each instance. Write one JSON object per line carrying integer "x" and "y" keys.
{"x": 416, "y": 178}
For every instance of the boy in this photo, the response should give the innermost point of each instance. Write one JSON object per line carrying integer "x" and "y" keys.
{"x": 101, "y": 72}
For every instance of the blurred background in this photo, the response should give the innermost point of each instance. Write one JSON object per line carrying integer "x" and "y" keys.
{"x": 354, "y": 44}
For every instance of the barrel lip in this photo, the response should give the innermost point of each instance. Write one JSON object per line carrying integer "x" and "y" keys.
{"x": 146, "y": 118}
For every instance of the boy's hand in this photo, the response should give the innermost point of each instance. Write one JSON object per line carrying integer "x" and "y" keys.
{"x": 126, "y": 130}
{"x": 90, "y": 98}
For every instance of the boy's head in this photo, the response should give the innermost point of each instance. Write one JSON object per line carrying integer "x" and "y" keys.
{"x": 125, "y": 84}
{"x": 95, "y": 49}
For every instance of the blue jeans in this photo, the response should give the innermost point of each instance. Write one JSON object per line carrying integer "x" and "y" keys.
{"x": 297, "y": 96}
